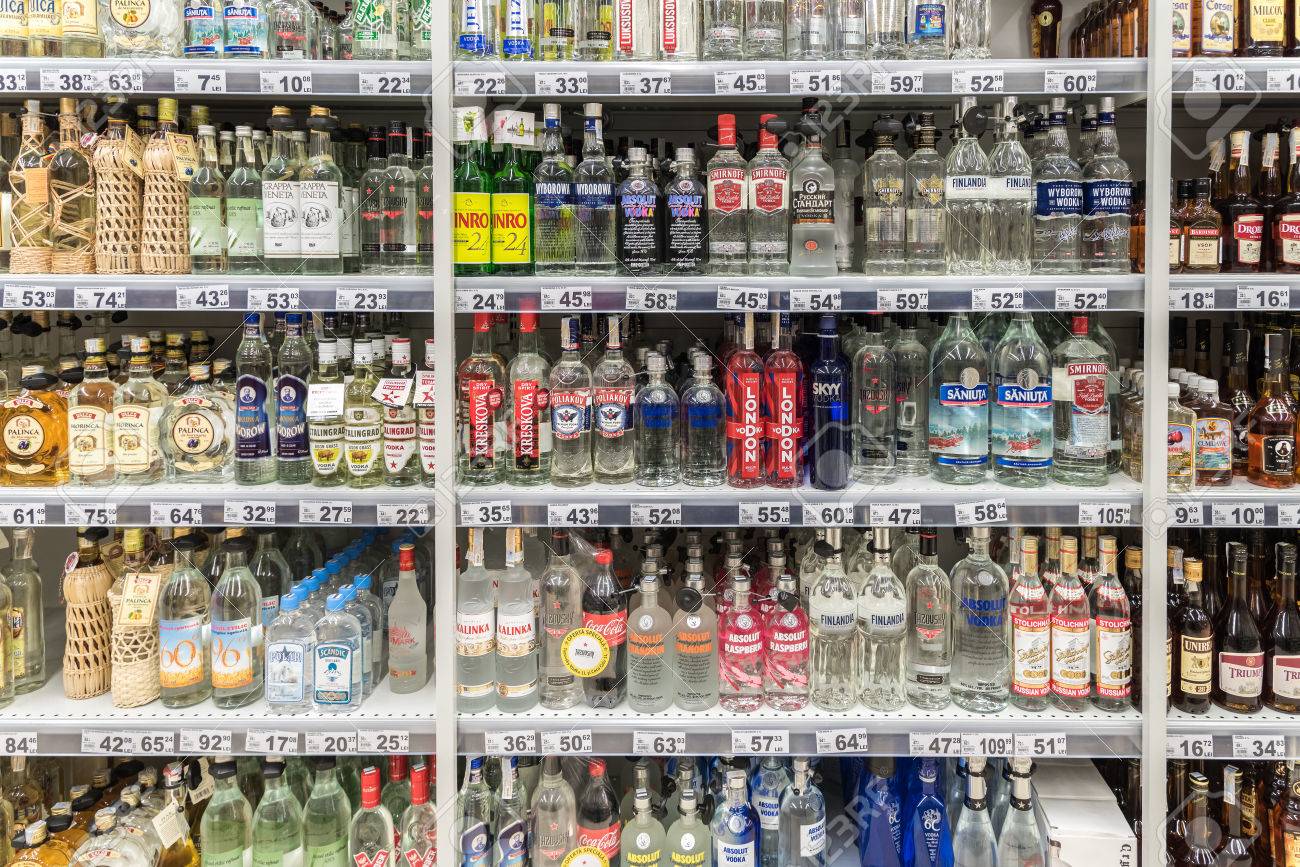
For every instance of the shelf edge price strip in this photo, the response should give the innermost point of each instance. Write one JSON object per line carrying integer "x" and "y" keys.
{"x": 99, "y": 297}
{"x": 249, "y": 511}
{"x": 999, "y": 744}
{"x": 739, "y": 81}
{"x": 656, "y": 515}
{"x": 992, "y": 299}
{"x": 651, "y": 743}
{"x": 1189, "y": 747}
{"x": 357, "y": 298}
{"x": 838, "y": 741}
{"x": 331, "y": 743}
{"x": 1263, "y": 298}
{"x": 1082, "y": 298}
{"x": 199, "y": 80}
{"x": 1192, "y": 298}
{"x": 486, "y": 514}
{"x": 560, "y": 83}
{"x": 933, "y": 744}
{"x": 1104, "y": 514}
{"x": 325, "y": 511}
{"x": 175, "y": 514}
{"x": 383, "y": 83}
{"x": 760, "y": 741}
{"x": 90, "y": 514}
{"x": 285, "y": 83}
{"x": 20, "y": 743}
{"x": 1070, "y": 81}
{"x": 13, "y": 79}
{"x": 811, "y": 299}
{"x": 841, "y": 514}
{"x": 271, "y": 741}
{"x": 206, "y": 741}
{"x": 983, "y": 512}
{"x": 1259, "y": 747}
{"x": 567, "y": 743}
{"x": 767, "y": 514}
{"x": 749, "y": 299}
{"x": 480, "y": 300}
{"x": 647, "y": 299}
{"x": 20, "y": 515}
{"x": 270, "y": 299}
{"x": 1189, "y": 514}
{"x": 894, "y": 514}
{"x": 828, "y": 82}
{"x": 573, "y": 515}
{"x": 371, "y": 741}
{"x": 509, "y": 743}
{"x": 645, "y": 83}
{"x": 1236, "y": 515}
{"x": 402, "y": 514}
{"x": 903, "y": 300}
{"x": 214, "y": 297}
{"x": 1050, "y": 744}
{"x": 97, "y": 742}
{"x": 28, "y": 297}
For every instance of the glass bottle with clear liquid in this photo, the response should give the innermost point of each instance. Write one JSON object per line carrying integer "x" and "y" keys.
{"x": 929, "y": 633}
{"x": 1011, "y": 199}
{"x": 967, "y": 194}
{"x": 594, "y": 199}
{"x": 958, "y": 415}
{"x": 812, "y": 208}
{"x": 237, "y": 654}
{"x": 832, "y": 621}
{"x": 981, "y": 671}
{"x": 882, "y": 629}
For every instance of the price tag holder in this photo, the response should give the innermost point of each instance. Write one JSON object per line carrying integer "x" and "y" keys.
{"x": 19, "y": 515}
{"x": 1282, "y": 81}
{"x": 1189, "y": 747}
{"x": 488, "y": 513}
{"x": 325, "y": 511}
{"x": 13, "y": 80}
{"x": 331, "y": 743}
{"x": 1259, "y": 747}
{"x": 645, "y": 83}
{"x": 1070, "y": 81}
{"x": 480, "y": 83}
{"x": 1104, "y": 514}
{"x": 29, "y": 297}
{"x": 768, "y": 514}
{"x": 1187, "y": 514}
{"x": 509, "y": 743}
{"x": 805, "y": 299}
{"x": 151, "y": 743}
{"x": 1196, "y": 298}
{"x": 383, "y": 83}
{"x": 202, "y": 297}
{"x": 747, "y": 298}
{"x": 273, "y": 299}
{"x": 1236, "y": 515}
{"x": 249, "y": 511}
{"x": 644, "y": 299}
{"x": 360, "y": 299}
{"x": 572, "y": 515}
{"x": 1052, "y": 744}
{"x": 402, "y": 514}
{"x": 1288, "y": 514}
{"x": 480, "y": 300}
{"x": 987, "y": 81}
{"x": 20, "y": 743}
{"x": 97, "y": 298}
{"x": 999, "y": 744}
{"x": 661, "y": 515}
{"x": 997, "y": 299}
{"x": 834, "y": 741}
{"x": 822, "y": 82}
{"x": 894, "y": 514}
{"x": 383, "y": 741}
{"x": 926, "y": 744}
{"x": 903, "y": 300}
{"x": 829, "y": 514}
{"x": 892, "y": 83}
{"x": 1263, "y": 298}
{"x": 1081, "y": 298}
{"x": 738, "y": 82}
{"x": 90, "y": 514}
{"x": 206, "y": 741}
{"x": 760, "y": 741}
{"x": 175, "y": 514}
{"x": 658, "y": 743}
{"x": 1219, "y": 81}
{"x": 199, "y": 81}
{"x": 566, "y": 297}
{"x": 571, "y": 743}
{"x": 560, "y": 83}
{"x": 271, "y": 742}
{"x": 123, "y": 80}
{"x": 287, "y": 83}
{"x": 983, "y": 512}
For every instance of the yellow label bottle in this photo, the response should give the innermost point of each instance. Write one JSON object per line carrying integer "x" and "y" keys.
{"x": 512, "y": 235}
{"x": 471, "y": 228}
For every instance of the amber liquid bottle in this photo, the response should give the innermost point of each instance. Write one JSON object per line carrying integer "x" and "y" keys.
{"x": 1243, "y": 215}
{"x": 1045, "y": 28}
{"x": 1257, "y": 594}
{"x": 1175, "y": 599}
{"x": 1195, "y": 646}
{"x": 1197, "y": 849}
{"x": 1238, "y": 803}
{"x": 1212, "y": 587}
{"x": 1182, "y": 193}
{"x": 1270, "y": 192}
{"x": 1202, "y": 231}
{"x": 1270, "y": 431}
{"x": 1176, "y": 798}
{"x": 1286, "y": 225}
{"x": 1282, "y": 639}
{"x": 1263, "y": 27}
{"x": 1240, "y": 397}
{"x": 1239, "y": 662}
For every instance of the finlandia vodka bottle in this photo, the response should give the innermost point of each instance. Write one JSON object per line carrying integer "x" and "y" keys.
{"x": 770, "y": 782}
{"x": 803, "y": 820}
{"x": 570, "y": 411}
{"x": 593, "y": 193}
{"x": 613, "y": 453}
{"x": 724, "y": 25}
{"x": 1020, "y": 841}
{"x": 728, "y": 181}
{"x": 650, "y": 680}
{"x": 475, "y": 631}
{"x": 703, "y": 415}
{"x": 911, "y": 399}
{"x": 959, "y": 416}
{"x": 656, "y": 429}
{"x": 832, "y": 609}
{"x": 926, "y": 231}
{"x": 882, "y": 629}
{"x": 1080, "y": 370}
{"x": 765, "y": 30}
{"x": 884, "y": 209}
{"x": 769, "y": 199}
{"x": 735, "y": 838}
{"x": 1011, "y": 201}
{"x": 973, "y": 843}
{"x": 694, "y": 642}
{"x": 643, "y": 837}
{"x": 554, "y": 220}
{"x": 1031, "y": 653}
{"x": 967, "y": 195}
{"x": 981, "y": 674}
{"x": 1107, "y": 196}
{"x": 812, "y": 207}
{"x": 689, "y": 838}
{"x": 1021, "y": 433}
{"x": 516, "y": 641}
{"x": 929, "y": 628}
{"x": 1058, "y": 194}
{"x": 874, "y": 406}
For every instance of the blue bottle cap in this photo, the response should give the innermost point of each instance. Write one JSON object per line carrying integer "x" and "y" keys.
{"x": 348, "y": 592}
{"x": 335, "y": 602}
{"x": 289, "y": 602}
{"x": 362, "y": 582}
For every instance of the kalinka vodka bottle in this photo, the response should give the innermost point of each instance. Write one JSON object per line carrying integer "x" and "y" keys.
{"x": 735, "y": 837}
{"x": 1080, "y": 369}
{"x": 927, "y": 840}
{"x": 1021, "y": 435}
{"x": 981, "y": 673}
{"x": 745, "y": 412}
{"x": 830, "y": 438}
{"x": 703, "y": 411}
{"x": 880, "y": 836}
{"x": 1031, "y": 651}
{"x": 785, "y": 667}
{"x": 784, "y": 404}
{"x": 929, "y": 634}
{"x": 959, "y": 417}
{"x": 802, "y": 821}
{"x": 740, "y": 652}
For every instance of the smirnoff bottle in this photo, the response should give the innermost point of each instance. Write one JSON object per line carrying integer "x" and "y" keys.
{"x": 832, "y": 607}
{"x": 812, "y": 206}
{"x": 929, "y": 632}
{"x": 570, "y": 402}
{"x": 1021, "y": 433}
{"x": 613, "y": 459}
{"x": 480, "y": 378}
{"x": 684, "y": 250}
{"x": 529, "y": 415}
{"x": 959, "y": 417}
{"x": 704, "y": 423}
{"x": 882, "y": 630}
{"x": 784, "y": 403}
{"x": 1080, "y": 369}
{"x": 1112, "y": 628}
{"x": 740, "y": 653}
{"x": 745, "y": 465}
{"x": 727, "y": 183}
{"x": 874, "y": 405}
{"x": 769, "y": 198}
{"x": 1071, "y": 635}
{"x": 598, "y": 816}
{"x": 1031, "y": 654}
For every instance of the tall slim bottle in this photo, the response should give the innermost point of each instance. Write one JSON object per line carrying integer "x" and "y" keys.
{"x": 281, "y": 198}
{"x": 1239, "y": 666}
{"x": 744, "y": 377}
{"x": 255, "y": 462}
{"x": 829, "y": 439}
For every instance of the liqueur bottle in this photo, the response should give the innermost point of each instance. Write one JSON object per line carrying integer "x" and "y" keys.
{"x": 472, "y": 190}
{"x": 1239, "y": 662}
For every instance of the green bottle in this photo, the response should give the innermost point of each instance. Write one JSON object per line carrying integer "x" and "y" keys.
{"x": 325, "y": 819}
{"x": 277, "y": 821}
{"x": 512, "y": 215}
{"x": 227, "y": 826}
{"x": 472, "y": 194}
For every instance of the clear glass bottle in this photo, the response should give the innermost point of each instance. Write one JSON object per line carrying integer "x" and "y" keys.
{"x": 227, "y": 825}
{"x": 802, "y": 821}
{"x": 925, "y": 250}
{"x": 1021, "y": 431}
{"x": 1107, "y": 200}
{"x": 971, "y": 28}
{"x": 254, "y": 409}
{"x": 362, "y": 421}
{"x": 882, "y": 630}
{"x": 958, "y": 416}
{"x": 277, "y": 821}
{"x": 723, "y": 29}
{"x": 320, "y": 181}
{"x": 651, "y": 661}
{"x": 614, "y": 459}
{"x": 690, "y": 840}
{"x": 26, "y": 615}
{"x": 237, "y": 651}
{"x": 184, "y": 629}
{"x": 884, "y": 209}
{"x": 703, "y": 419}
{"x": 764, "y": 30}
{"x": 807, "y": 30}
{"x": 728, "y": 207}
{"x": 290, "y": 641}
{"x": 874, "y": 406}
{"x": 370, "y": 833}
{"x": 966, "y": 195}
{"x": 929, "y": 632}
{"x": 695, "y": 648}
{"x": 399, "y": 249}
{"x": 973, "y": 840}
{"x": 243, "y": 201}
{"x": 1020, "y": 841}
{"x": 1080, "y": 370}
{"x": 1112, "y": 630}
{"x": 338, "y": 659}
{"x": 594, "y": 199}
{"x": 831, "y": 613}
{"x": 281, "y": 199}
{"x": 516, "y": 632}
{"x": 887, "y": 29}
{"x": 529, "y": 432}
{"x": 740, "y": 652}
{"x": 981, "y": 672}
{"x": 293, "y": 364}
{"x": 476, "y": 631}
{"x": 71, "y": 187}
{"x": 768, "y": 198}
{"x": 554, "y": 218}
{"x": 90, "y": 431}
{"x": 374, "y": 30}
{"x": 326, "y": 816}
{"x": 812, "y": 206}
{"x": 657, "y": 446}
{"x": 570, "y": 398}
{"x": 1071, "y": 633}
{"x": 1011, "y": 199}
{"x": 927, "y": 29}
{"x": 1031, "y": 655}
{"x": 1058, "y": 215}
{"x": 198, "y": 430}
{"x": 137, "y": 412}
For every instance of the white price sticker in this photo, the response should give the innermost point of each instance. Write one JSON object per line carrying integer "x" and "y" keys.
{"x": 999, "y": 744}
{"x": 1070, "y": 81}
{"x": 894, "y": 514}
{"x": 383, "y": 741}
{"x": 986, "y": 81}
{"x": 1104, "y": 514}
{"x": 560, "y": 83}
{"x": 1219, "y": 81}
{"x": 273, "y": 299}
{"x": 99, "y": 298}
{"x": 175, "y": 514}
{"x": 575, "y": 742}
{"x": 1193, "y": 298}
{"x": 271, "y": 742}
{"x": 383, "y": 83}
{"x": 1259, "y": 747}
{"x": 1081, "y": 298}
{"x": 807, "y": 299}
{"x": 729, "y": 82}
{"x": 127, "y": 743}
{"x": 768, "y": 514}
{"x": 92, "y": 80}
{"x": 485, "y": 514}
{"x": 993, "y": 299}
{"x": 13, "y": 79}
{"x": 202, "y": 297}
{"x": 509, "y": 743}
{"x": 20, "y": 743}
{"x": 832, "y": 741}
{"x": 829, "y": 514}
{"x": 199, "y": 81}
{"x": 479, "y": 300}
{"x": 1288, "y": 514}
{"x": 742, "y": 298}
{"x": 566, "y": 297}
{"x": 656, "y": 515}
{"x": 1236, "y": 515}
{"x": 645, "y": 299}
{"x": 820, "y": 82}
{"x": 325, "y": 511}
{"x": 402, "y": 514}
{"x": 29, "y": 297}
{"x": 1285, "y": 80}
{"x": 572, "y": 515}
{"x": 760, "y": 741}
{"x": 90, "y": 514}
{"x": 928, "y": 744}
{"x": 903, "y": 300}
{"x": 983, "y": 512}
{"x": 894, "y": 83}
{"x": 331, "y": 743}
{"x": 1263, "y": 298}
{"x": 19, "y": 515}
{"x": 249, "y": 511}
{"x": 1050, "y": 744}
{"x": 287, "y": 83}
{"x": 480, "y": 83}
{"x": 645, "y": 83}
{"x": 360, "y": 299}
{"x": 1187, "y": 514}
{"x": 206, "y": 741}
{"x": 658, "y": 743}
{"x": 1189, "y": 747}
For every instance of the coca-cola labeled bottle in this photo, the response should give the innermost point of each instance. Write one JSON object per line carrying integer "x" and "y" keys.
{"x": 604, "y": 611}
{"x": 598, "y": 818}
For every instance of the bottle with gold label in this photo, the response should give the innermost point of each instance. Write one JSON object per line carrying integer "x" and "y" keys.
{"x": 44, "y": 28}
{"x": 198, "y": 432}
{"x": 13, "y": 43}
{"x": 325, "y": 390}
{"x": 34, "y": 425}
{"x": 362, "y": 425}
{"x": 472, "y": 192}
{"x": 80, "y": 26}
{"x": 26, "y": 615}
{"x": 141, "y": 28}
{"x": 90, "y": 421}
{"x": 1263, "y": 27}
{"x": 137, "y": 410}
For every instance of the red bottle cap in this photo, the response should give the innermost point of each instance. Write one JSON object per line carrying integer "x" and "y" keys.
{"x": 765, "y": 138}
{"x": 1080, "y": 323}
{"x": 419, "y": 784}
{"x": 370, "y": 788}
{"x": 397, "y": 766}
{"x": 596, "y": 767}
{"x": 406, "y": 558}
{"x": 604, "y": 556}
{"x": 483, "y": 322}
{"x": 528, "y": 322}
{"x": 726, "y": 130}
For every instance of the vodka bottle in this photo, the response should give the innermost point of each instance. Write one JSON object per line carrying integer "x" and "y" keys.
{"x": 735, "y": 837}
{"x": 1058, "y": 190}
{"x": 554, "y": 817}
{"x": 679, "y": 30}
{"x": 516, "y": 633}
{"x": 635, "y": 24}
{"x": 911, "y": 399}
{"x": 556, "y": 28}
{"x": 255, "y": 462}
{"x": 971, "y": 28}
{"x": 475, "y": 816}
{"x": 884, "y": 209}
{"x": 236, "y": 630}
{"x": 765, "y": 30}
{"x": 929, "y": 629}
{"x": 967, "y": 194}
{"x": 829, "y": 441}
{"x": 1107, "y": 198}
{"x": 740, "y": 652}
{"x": 510, "y": 847}
{"x": 656, "y": 429}
{"x": 849, "y": 34}
{"x": 1021, "y": 842}
{"x": 1071, "y": 637}
{"x": 613, "y": 453}
{"x": 475, "y": 631}
{"x": 973, "y": 843}
{"x": 594, "y": 200}
{"x": 1081, "y": 414}
{"x": 874, "y": 406}
{"x": 832, "y": 607}
{"x": 770, "y": 781}
{"x": 1112, "y": 631}
{"x": 370, "y": 833}
{"x": 728, "y": 181}
{"x": 724, "y": 25}
{"x": 769, "y": 199}
{"x": 1021, "y": 432}
{"x": 846, "y": 181}
{"x": 530, "y": 424}
{"x": 807, "y": 30}
{"x": 292, "y": 456}
{"x": 277, "y": 820}
{"x": 338, "y": 659}
{"x": 561, "y": 612}
{"x": 326, "y": 815}
{"x": 1011, "y": 200}
{"x": 926, "y": 230}
{"x": 689, "y": 839}
{"x": 784, "y": 406}
{"x": 745, "y": 427}
{"x": 643, "y": 837}
{"x": 480, "y": 379}
{"x": 803, "y": 820}
{"x": 959, "y": 417}
{"x": 515, "y": 22}
{"x": 408, "y": 659}
{"x": 927, "y": 29}
{"x": 650, "y": 667}
{"x": 887, "y": 29}
{"x": 981, "y": 674}
{"x": 882, "y": 630}
{"x": 639, "y": 216}
{"x": 227, "y": 824}
{"x": 555, "y": 231}
{"x": 684, "y": 246}
{"x": 695, "y": 649}
{"x": 812, "y": 207}
{"x": 703, "y": 419}
{"x": 417, "y": 827}
{"x": 570, "y": 398}
{"x": 926, "y": 838}
{"x": 787, "y": 656}
{"x": 290, "y": 640}
{"x": 1031, "y": 654}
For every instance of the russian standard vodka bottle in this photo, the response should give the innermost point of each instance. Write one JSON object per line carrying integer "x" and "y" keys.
{"x": 973, "y": 843}
{"x": 802, "y": 821}
{"x": 786, "y": 663}
{"x": 651, "y": 684}
{"x": 1011, "y": 200}
{"x": 784, "y": 405}
{"x": 981, "y": 674}
{"x": 926, "y": 230}
{"x": 882, "y": 630}
{"x": 830, "y": 439}
{"x": 1058, "y": 193}
{"x": 929, "y": 628}
{"x": 1031, "y": 663}
{"x": 554, "y": 220}
{"x": 1107, "y": 196}
{"x": 1071, "y": 633}
{"x": 967, "y": 195}
{"x": 912, "y": 399}
{"x": 832, "y": 608}
{"x": 807, "y": 30}
{"x": 764, "y": 30}
{"x": 812, "y": 207}
{"x": 1021, "y": 432}
{"x": 884, "y": 209}
{"x": 570, "y": 411}
{"x": 703, "y": 419}
{"x": 727, "y": 184}
{"x": 657, "y": 456}
{"x": 874, "y": 405}
{"x": 529, "y": 434}
{"x": 516, "y": 641}
{"x": 959, "y": 416}
{"x": 735, "y": 837}
{"x": 769, "y": 199}
{"x": 740, "y": 652}
{"x": 744, "y": 381}
{"x": 475, "y": 631}
{"x": 684, "y": 248}
{"x": 593, "y": 196}
{"x": 1080, "y": 368}
{"x": 613, "y": 458}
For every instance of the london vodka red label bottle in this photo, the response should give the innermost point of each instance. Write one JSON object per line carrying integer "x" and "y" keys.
{"x": 745, "y": 465}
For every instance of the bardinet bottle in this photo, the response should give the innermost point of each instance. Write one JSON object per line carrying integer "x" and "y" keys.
{"x": 744, "y": 412}
{"x": 784, "y": 403}
{"x": 1240, "y": 662}
{"x": 598, "y": 818}
{"x": 604, "y": 613}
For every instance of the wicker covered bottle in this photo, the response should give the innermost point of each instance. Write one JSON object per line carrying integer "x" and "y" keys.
{"x": 135, "y": 647}
{"x": 170, "y": 161}
{"x": 30, "y": 179}
{"x": 72, "y": 198}
{"x": 119, "y": 193}
{"x": 86, "y": 650}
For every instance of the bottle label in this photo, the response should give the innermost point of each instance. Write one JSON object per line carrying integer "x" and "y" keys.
{"x": 769, "y": 189}
{"x": 400, "y": 444}
{"x": 657, "y": 416}
{"x": 695, "y": 662}
{"x": 611, "y": 411}
{"x": 135, "y": 437}
{"x": 1085, "y": 389}
{"x": 812, "y": 839}
{"x": 1213, "y": 443}
{"x": 483, "y": 399}
{"x": 1279, "y": 455}
{"x": 1248, "y": 231}
{"x": 516, "y": 634}
{"x": 1180, "y": 452}
{"x": 553, "y": 194}
{"x": 1012, "y": 188}
{"x": 331, "y": 854}
{"x": 570, "y": 413}
{"x": 1030, "y": 655}
{"x": 291, "y": 418}
{"x": 812, "y": 203}
{"x": 475, "y": 633}
{"x": 362, "y": 435}
{"x": 252, "y": 426}
{"x": 1070, "y": 657}
{"x": 232, "y": 858}
{"x": 512, "y": 236}
{"x": 13, "y": 18}
{"x": 684, "y": 244}
{"x": 1114, "y": 663}
{"x": 471, "y": 232}
{"x": 1241, "y": 674}
{"x": 243, "y": 226}
{"x": 530, "y": 400}
{"x": 1267, "y": 21}
{"x": 1107, "y": 197}
{"x": 594, "y": 196}
{"x": 726, "y": 190}
{"x": 183, "y": 646}
{"x": 1059, "y": 198}
{"x": 966, "y": 187}
{"x": 319, "y": 201}
{"x": 768, "y": 806}
{"x": 929, "y": 21}
{"x": 739, "y": 853}
{"x": 958, "y": 421}
{"x": 326, "y": 447}
{"x": 286, "y": 663}
{"x": 612, "y": 627}
{"x": 332, "y": 672}
{"x": 784, "y": 425}
{"x": 1022, "y": 422}
{"x": 514, "y": 40}
{"x": 638, "y": 230}
{"x": 1204, "y": 245}
{"x": 203, "y": 29}
{"x": 232, "y": 653}
{"x": 1197, "y": 665}
{"x": 281, "y": 208}
{"x": 245, "y": 31}
{"x": 603, "y": 840}
{"x": 426, "y": 431}
{"x": 1218, "y": 21}
{"x": 87, "y": 440}
{"x": 833, "y": 617}
{"x": 1286, "y": 676}
{"x": 744, "y": 425}
{"x": 207, "y": 237}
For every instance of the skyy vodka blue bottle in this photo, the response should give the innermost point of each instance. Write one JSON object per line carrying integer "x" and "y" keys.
{"x": 828, "y": 447}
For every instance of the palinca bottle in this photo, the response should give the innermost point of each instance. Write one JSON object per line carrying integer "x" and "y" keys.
{"x": 1080, "y": 369}
{"x": 613, "y": 455}
{"x": 981, "y": 674}
{"x": 1011, "y": 200}
{"x": 744, "y": 384}
{"x": 959, "y": 417}
{"x": 594, "y": 207}
{"x": 90, "y": 422}
{"x": 1071, "y": 633}
{"x": 874, "y": 406}
{"x": 885, "y": 212}
{"x": 570, "y": 403}
{"x": 768, "y": 201}
{"x": 966, "y": 194}
{"x": 929, "y": 629}
{"x": 728, "y": 183}
{"x": 784, "y": 404}
{"x": 363, "y": 422}
{"x": 812, "y": 206}
{"x": 832, "y": 608}
{"x": 1021, "y": 432}
{"x": 528, "y": 410}
{"x": 72, "y": 196}
{"x": 137, "y": 410}
{"x": 255, "y": 462}
{"x": 1107, "y": 198}
{"x": 281, "y": 199}
{"x": 1031, "y": 656}
{"x": 1058, "y": 213}
{"x": 198, "y": 432}
{"x": 1112, "y": 629}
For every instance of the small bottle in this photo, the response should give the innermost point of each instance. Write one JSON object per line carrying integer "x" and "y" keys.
{"x": 337, "y": 660}
{"x": 289, "y": 641}
{"x": 1182, "y": 443}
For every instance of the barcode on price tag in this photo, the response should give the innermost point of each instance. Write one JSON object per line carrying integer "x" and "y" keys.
{"x": 573, "y": 515}
{"x": 897, "y": 82}
{"x": 249, "y": 511}
{"x": 325, "y": 511}
{"x": 1236, "y": 515}
{"x": 566, "y": 297}
{"x": 1081, "y": 298}
{"x": 923, "y": 744}
{"x": 894, "y": 514}
{"x": 819, "y": 82}
{"x": 360, "y": 299}
{"x": 645, "y": 83}
{"x": 90, "y": 514}
{"x": 28, "y": 297}
{"x": 402, "y": 514}
{"x": 382, "y": 83}
{"x": 1104, "y": 514}
{"x": 99, "y": 297}
{"x": 199, "y": 81}
{"x": 1189, "y": 747}
{"x": 760, "y": 741}
{"x": 903, "y": 300}
{"x": 1258, "y": 747}
{"x": 1283, "y": 80}
{"x": 988, "y": 81}
{"x": 288, "y": 83}
{"x": 829, "y": 514}
{"x": 175, "y": 514}
{"x": 560, "y": 83}
{"x": 1010, "y": 298}
{"x": 383, "y": 741}
{"x": 331, "y": 743}
{"x": 1197, "y": 298}
{"x": 739, "y": 81}
{"x": 271, "y": 742}
{"x": 1070, "y": 81}
{"x": 645, "y": 299}
{"x": 806, "y": 299}
{"x": 1187, "y": 514}
{"x": 574, "y": 742}
{"x": 20, "y": 743}
{"x": 1288, "y": 514}
{"x": 15, "y": 515}
{"x": 742, "y": 298}
{"x": 486, "y": 513}
{"x": 273, "y": 299}
{"x": 983, "y": 512}
{"x": 658, "y": 743}
{"x": 995, "y": 744}
{"x": 841, "y": 741}
{"x": 764, "y": 514}
{"x": 660, "y": 515}
{"x": 479, "y": 300}
{"x": 1052, "y": 744}
{"x": 202, "y": 297}
{"x": 510, "y": 743}
{"x": 480, "y": 83}
{"x": 125, "y": 743}
{"x": 205, "y": 741}
{"x": 1263, "y": 298}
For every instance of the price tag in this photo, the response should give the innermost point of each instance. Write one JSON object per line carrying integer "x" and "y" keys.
{"x": 828, "y": 514}
{"x": 893, "y": 83}
{"x": 741, "y": 298}
{"x": 199, "y": 80}
{"x": 402, "y": 514}
{"x": 249, "y": 511}
{"x": 566, "y": 297}
{"x": 770, "y": 514}
{"x": 841, "y": 741}
{"x": 383, "y": 83}
{"x": 13, "y": 80}
{"x": 175, "y": 514}
{"x": 925, "y": 744}
{"x": 996, "y": 744}
{"x": 205, "y": 741}
{"x": 658, "y": 743}
{"x": 361, "y": 299}
{"x": 271, "y": 742}
{"x": 739, "y": 81}
{"x": 645, "y": 83}
{"x": 1104, "y": 514}
{"x": 1189, "y": 747}
{"x": 128, "y": 743}
{"x": 479, "y": 300}
{"x": 576, "y": 742}
{"x": 1219, "y": 81}
{"x": 1070, "y": 81}
{"x": 644, "y": 299}
{"x": 90, "y": 514}
{"x": 573, "y": 515}
{"x": 764, "y": 741}
{"x": 823, "y": 82}
{"x": 804, "y": 299}
{"x": 1187, "y": 514}
{"x": 383, "y": 741}
{"x": 76, "y": 81}
{"x": 986, "y": 81}
{"x": 997, "y": 299}
{"x": 1283, "y": 80}
{"x": 1258, "y": 747}
{"x": 984, "y": 512}
{"x": 1081, "y": 298}
{"x": 1263, "y": 298}
{"x": 1236, "y": 515}
{"x": 1288, "y": 514}
{"x": 894, "y": 514}
{"x": 273, "y": 299}
{"x": 480, "y": 83}
{"x": 509, "y": 743}
{"x": 661, "y": 515}
{"x": 120, "y": 80}
{"x": 325, "y": 511}
{"x": 19, "y": 515}
{"x": 202, "y": 297}
{"x": 20, "y": 743}
{"x": 154, "y": 743}
{"x": 29, "y": 297}
{"x": 1191, "y": 299}
{"x": 487, "y": 513}
{"x": 560, "y": 83}
{"x": 1053, "y": 744}
{"x": 285, "y": 82}
{"x": 331, "y": 743}
{"x": 903, "y": 300}
{"x": 94, "y": 298}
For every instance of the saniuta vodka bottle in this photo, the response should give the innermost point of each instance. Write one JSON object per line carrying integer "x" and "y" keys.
{"x": 1021, "y": 434}
{"x": 959, "y": 418}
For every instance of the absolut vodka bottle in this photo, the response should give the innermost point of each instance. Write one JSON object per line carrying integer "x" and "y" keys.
{"x": 803, "y": 820}
{"x": 981, "y": 631}
{"x": 1058, "y": 192}
{"x": 770, "y": 782}
{"x": 959, "y": 416}
{"x": 704, "y": 410}
{"x": 639, "y": 217}
{"x": 1021, "y": 434}
{"x": 684, "y": 248}
{"x": 735, "y": 837}
{"x": 829, "y": 440}
{"x": 594, "y": 200}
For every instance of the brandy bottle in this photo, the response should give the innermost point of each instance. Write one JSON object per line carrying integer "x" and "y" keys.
{"x": 1243, "y": 215}
{"x": 1282, "y": 638}
{"x": 1270, "y": 430}
{"x": 1239, "y": 660}
{"x": 1195, "y": 652}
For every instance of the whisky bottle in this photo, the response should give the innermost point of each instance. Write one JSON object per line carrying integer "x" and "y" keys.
{"x": 1240, "y": 654}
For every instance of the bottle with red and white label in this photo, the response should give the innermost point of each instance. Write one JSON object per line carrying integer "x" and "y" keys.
{"x": 479, "y": 378}
{"x": 1112, "y": 626}
{"x": 1030, "y": 632}
{"x": 370, "y": 834}
{"x": 516, "y": 650}
{"x": 426, "y": 428}
{"x": 745, "y": 423}
{"x": 740, "y": 652}
{"x": 604, "y": 612}
{"x": 1286, "y": 220}
{"x": 401, "y": 467}
{"x": 1080, "y": 369}
{"x": 1071, "y": 633}
{"x": 769, "y": 201}
{"x": 528, "y": 416}
{"x": 599, "y": 829}
{"x": 1243, "y": 243}
{"x": 613, "y": 381}
{"x": 1282, "y": 662}
{"x": 728, "y": 182}
{"x": 1239, "y": 662}
{"x": 475, "y": 631}
{"x": 679, "y": 30}
{"x": 418, "y": 824}
{"x": 783, "y": 403}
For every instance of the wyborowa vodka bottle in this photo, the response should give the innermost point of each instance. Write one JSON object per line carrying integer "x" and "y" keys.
{"x": 594, "y": 200}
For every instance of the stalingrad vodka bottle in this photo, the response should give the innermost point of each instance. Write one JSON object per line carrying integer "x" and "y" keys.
{"x": 1011, "y": 199}
{"x": 959, "y": 417}
{"x": 1107, "y": 195}
{"x": 1021, "y": 433}
{"x": 1080, "y": 369}
{"x": 744, "y": 412}
{"x": 570, "y": 401}
{"x": 612, "y": 381}
{"x": 967, "y": 193}
{"x": 727, "y": 184}
{"x": 882, "y": 628}
{"x": 734, "y": 835}
{"x": 929, "y": 632}
{"x": 981, "y": 673}
{"x": 785, "y": 667}
{"x": 812, "y": 206}
{"x": 769, "y": 198}
{"x": 784, "y": 404}
{"x": 803, "y": 820}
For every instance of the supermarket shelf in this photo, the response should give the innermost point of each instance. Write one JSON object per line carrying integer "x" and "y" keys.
{"x": 293, "y": 80}
{"x": 58, "y": 722}
{"x": 1264, "y": 735}
{"x": 215, "y": 292}
{"x": 205, "y": 505}
{"x": 919, "y": 500}
{"x": 1240, "y": 504}
{"x": 848, "y": 292}
{"x": 910, "y": 82}
{"x": 1201, "y": 293}
{"x": 613, "y": 731}
{"x": 1235, "y": 78}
